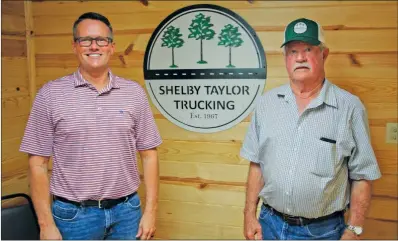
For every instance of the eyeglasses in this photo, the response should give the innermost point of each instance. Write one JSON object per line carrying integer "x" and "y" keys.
{"x": 87, "y": 41}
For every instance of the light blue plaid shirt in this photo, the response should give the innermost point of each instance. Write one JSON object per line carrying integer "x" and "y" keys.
{"x": 307, "y": 160}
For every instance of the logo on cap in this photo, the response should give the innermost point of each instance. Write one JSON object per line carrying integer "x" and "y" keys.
{"x": 300, "y": 27}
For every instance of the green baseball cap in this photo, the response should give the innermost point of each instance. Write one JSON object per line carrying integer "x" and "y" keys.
{"x": 305, "y": 30}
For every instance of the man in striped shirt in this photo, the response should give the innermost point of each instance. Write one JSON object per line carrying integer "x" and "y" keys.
{"x": 309, "y": 150}
{"x": 92, "y": 123}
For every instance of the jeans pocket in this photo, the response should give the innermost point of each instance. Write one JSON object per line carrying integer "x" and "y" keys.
{"x": 326, "y": 227}
{"x": 65, "y": 211}
{"x": 134, "y": 202}
{"x": 264, "y": 212}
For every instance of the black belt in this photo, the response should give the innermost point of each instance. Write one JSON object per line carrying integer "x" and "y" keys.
{"x": 294, "y": 220}
{"x": 105, "y": 203}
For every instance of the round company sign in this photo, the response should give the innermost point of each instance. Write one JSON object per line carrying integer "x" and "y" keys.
{"x": 204, "y": 68}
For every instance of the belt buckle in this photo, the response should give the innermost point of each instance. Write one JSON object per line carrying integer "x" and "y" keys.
{"x": 99, "y": 204}
{"x": 300, "y": 221}
{"x": 286, "y": 217}
{"x": 293, "y": 220}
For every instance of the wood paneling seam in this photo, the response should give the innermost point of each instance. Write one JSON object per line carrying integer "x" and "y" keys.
{"x": 30, "y": 47}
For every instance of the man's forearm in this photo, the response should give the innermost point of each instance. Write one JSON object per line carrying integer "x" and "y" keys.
{"x": 151, "y": 180}
{"x": 361, "y": 192}
{"x": 40, "y": 192}
{"x": 254, "y": 184}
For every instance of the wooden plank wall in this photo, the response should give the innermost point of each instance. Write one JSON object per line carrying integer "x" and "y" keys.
{"x": 15, "y": 96}
{"x": 202, "y": 175}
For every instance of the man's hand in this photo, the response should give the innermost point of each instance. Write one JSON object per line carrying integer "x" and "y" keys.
{"x": 147, "y": 228}
{"x": 150, "y": 164}
{"x": 40, "y": 193}
{"x": 252, "y": 228}
{"x": 255, "y": 181}
{"x": 349, "y": 235}
{"x": 50, "y": 233}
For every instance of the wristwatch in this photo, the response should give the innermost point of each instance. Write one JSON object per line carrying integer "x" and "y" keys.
{"x": 355, "y": 229}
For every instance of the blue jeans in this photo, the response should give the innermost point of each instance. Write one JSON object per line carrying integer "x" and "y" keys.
{"x": 118, "y": 222}
{"x": 273, "y": 227}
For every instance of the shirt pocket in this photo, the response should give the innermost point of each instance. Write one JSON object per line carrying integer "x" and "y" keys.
{"x": 322, "y": 157}
{"x": 119, "y": 121}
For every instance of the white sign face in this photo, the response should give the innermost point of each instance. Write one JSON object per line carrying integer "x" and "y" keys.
{"x": 204, "y": 68}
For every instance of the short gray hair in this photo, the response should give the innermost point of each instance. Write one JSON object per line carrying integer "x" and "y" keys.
{"x": 321, "y": 46}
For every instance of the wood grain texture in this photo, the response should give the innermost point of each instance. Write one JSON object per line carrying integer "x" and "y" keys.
{"x": 386, "y": 186}
{"x": 238, "y": 132}
{"x": 13, "y": 127}
{"x": 16, "y": 184}
{"x": 30, "y": 48}
{"x": 202, "y": 176}
{"x": 216, "y": 172}
{"x": 228, "y": 153}
{"x": 15, "y": 8}
{"x": 170, "y": 131}
{"x": 186, "y": 230}
{"x": 10, "y": 149}
{"x": 370, "y": 91}
{"x": 380, "y": 113}
{"x": 387, "y": 161}
{"x": 367, "y": 41}
{"x": 15, "y": 98}
{"x": 378, "y": 230}
{"x": 373, "y": 66}
{"x": 378, "y": 138}
{"x": 354, "y": 16}
{"x": 14, "y": 77}
{"x": 201, "y": 152}
{"x": 374, "y": 229}
{"x": 14, "y": 167}
{"x": 56, "y": 8}
{"x": 204, "y": 194}
{"x": 193, "y": 212}
{"x": 383, "y": 209}
{"x": 15, "y": 106}
{"x": 12, "y": 47}
{"x": 48, "y": 44}
{"x": 12, "y": 25}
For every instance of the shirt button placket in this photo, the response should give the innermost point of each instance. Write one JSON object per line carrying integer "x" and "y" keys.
{"x": 98, "y": 106}
{"x": 296, "y": 144}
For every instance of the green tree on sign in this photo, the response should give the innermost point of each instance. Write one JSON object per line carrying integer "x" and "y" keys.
{"x": 172, "y": 39}
{"x": 200, "y": 29}
{"x": 230, "y": 37}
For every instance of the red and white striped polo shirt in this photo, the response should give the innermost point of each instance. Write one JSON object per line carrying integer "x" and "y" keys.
{"x": 93, "y": 136}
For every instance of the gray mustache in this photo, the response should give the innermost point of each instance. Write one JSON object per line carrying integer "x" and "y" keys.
{"x": 306, "y": 65}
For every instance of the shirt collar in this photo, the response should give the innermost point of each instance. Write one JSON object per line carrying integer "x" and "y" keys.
{"x": 326, "y": 95}
{"x": 80, "y": 81}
